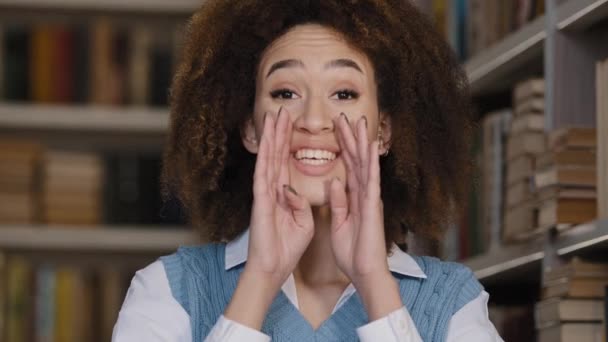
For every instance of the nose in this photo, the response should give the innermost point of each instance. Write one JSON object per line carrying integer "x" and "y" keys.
{"x": 315, "y": 118}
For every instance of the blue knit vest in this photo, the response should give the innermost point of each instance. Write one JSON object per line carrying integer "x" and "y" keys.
{"x": 200, "y": 283}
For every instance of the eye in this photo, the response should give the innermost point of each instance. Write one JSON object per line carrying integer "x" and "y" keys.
{"x": 346, "y": 94}
{"x": 283, "y": 94}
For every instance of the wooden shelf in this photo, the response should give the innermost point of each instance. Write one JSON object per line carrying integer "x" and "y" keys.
{"x": 84, "y": 118}
{"x": 158, "y": 6}
{"x": 139, "y": 129}
{"x": 488, "y": 71}
{"x": 111, "y": 239}
{"x": 577, "y": 15}
{"x": 499, "y": 66}
{"x": 504, "y": 263}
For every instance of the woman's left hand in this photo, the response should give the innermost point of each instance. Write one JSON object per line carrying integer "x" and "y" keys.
{"x": 357, "y": 215}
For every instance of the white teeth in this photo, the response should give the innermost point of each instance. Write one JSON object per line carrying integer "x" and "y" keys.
{"x": 314, "y": 161}
{"x": 315, "y": 155}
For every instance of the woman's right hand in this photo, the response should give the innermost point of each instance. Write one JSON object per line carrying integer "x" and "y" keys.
{"x": 281, "y": 224}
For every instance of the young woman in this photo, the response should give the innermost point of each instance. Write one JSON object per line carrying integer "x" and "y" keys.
{"x": 306, "y": 138}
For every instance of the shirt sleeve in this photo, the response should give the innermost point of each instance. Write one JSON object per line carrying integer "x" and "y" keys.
{"x": 472, "y": 323}
{"x": 150, "y": 313}
{"x": 397, "y": 326}
{"x": 469, "y": 324}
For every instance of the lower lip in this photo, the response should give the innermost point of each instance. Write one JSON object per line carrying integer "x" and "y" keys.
{"x": 314, "y": 170}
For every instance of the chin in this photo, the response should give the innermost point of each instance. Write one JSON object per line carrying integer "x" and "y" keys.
{"x": 316, "y": 197}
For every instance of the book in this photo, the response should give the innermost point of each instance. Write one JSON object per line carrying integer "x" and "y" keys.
{"x": 531, "y": 143}
{"x": 575, "y": 287}
{"x": 16, "y": 62}
{"x": 534, "y": 122}
{"x": 602, "y": 139}
{"x": 42, "y": 62}
{"x": 572, "y": 137}
{"x": 560, "y": 192}
{"x": 575, "y": 268}
{"x": 530, "y": 106}
{"x": 519, "y": 192}
{"x": 572, "y": 332}
{"x": 518, "y": 221}
{"x": 531, "y": 88}
{"x": 495, "y": 129}
{"x": 566, "y": 211}
{"x": 520, "y": 169}
{"x": 581, "y": 157}
{"x": 557, "y": 310}
{"x": 580, "y": 176}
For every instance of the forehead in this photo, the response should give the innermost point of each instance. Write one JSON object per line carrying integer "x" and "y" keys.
{"x": 312, "y": 43}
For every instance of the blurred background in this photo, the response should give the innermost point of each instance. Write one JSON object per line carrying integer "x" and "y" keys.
{"x": 83, "y": 118}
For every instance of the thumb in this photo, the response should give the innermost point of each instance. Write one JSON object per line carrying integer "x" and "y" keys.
{"x": 338, "y": 203}
{"x": 302, "y": 213}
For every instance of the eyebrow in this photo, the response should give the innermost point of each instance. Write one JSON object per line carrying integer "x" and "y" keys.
{"x": 336, "y": 63}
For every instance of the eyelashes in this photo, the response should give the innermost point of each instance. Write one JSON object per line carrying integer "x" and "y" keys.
{"x": 283, "y": 94}
{"x": 288, "y": 94}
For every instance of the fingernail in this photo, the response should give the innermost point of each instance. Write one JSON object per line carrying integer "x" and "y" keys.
{"x": 345, "y": 118}
{"x": 365, "y": 119}
{"x": 279, "y": 113}
{"x": 292, "y": 190}
{"x": 264, "y": 119}
{"x": 337, "y": 178}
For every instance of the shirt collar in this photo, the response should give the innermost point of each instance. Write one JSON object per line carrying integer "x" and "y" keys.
{"x": 398, "y": 262}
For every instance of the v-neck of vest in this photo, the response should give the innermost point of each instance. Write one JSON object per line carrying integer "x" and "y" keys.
{"x": 289, "y": 318}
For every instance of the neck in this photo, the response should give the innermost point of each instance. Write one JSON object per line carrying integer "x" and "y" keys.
{"x": 317, "y": 266}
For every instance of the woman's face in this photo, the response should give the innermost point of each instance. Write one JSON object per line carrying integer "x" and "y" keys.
{"x": 313, "y": 74}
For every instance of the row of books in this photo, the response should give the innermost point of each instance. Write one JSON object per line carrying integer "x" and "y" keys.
{"x": 71, "y": 187}
{"x": 41, "y": 302}
{"x": 101, "y": 62}
{"x": 473, "y": 25}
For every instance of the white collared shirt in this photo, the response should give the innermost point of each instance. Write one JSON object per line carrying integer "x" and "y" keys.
{"x": 151, "y": 313}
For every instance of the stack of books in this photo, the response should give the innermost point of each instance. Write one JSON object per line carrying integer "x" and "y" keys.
{"x": 565, "y": 179}
{"x": 20, "y": 163}
{"x": 526, "y": 141}
{"x": 73, "y": 188}
{"x": 573, "y": 301}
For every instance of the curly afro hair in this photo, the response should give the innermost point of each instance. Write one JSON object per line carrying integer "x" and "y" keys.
{"x": 421, "y": 85}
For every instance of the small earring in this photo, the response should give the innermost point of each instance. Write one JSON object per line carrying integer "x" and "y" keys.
{"x": 381, "y": 143}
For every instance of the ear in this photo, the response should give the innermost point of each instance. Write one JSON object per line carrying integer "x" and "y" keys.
{"x": 249, "y": 137}
{"x": 385, "y": 128}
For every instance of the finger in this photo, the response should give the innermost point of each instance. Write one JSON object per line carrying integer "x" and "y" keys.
{"x": 269, "y": 132}
{"x": 260, "y": 184}
{"x": 345, "y": 130}
{"x": 285, "y": 155}
{"x": 373, "y": 184}
{"x": 351, "y": 178}
{"x": 338, "y": 204}
{"x": 279, "y": 139}
{"x": 300, "y": 208}
{"x": 363, "y": 149}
